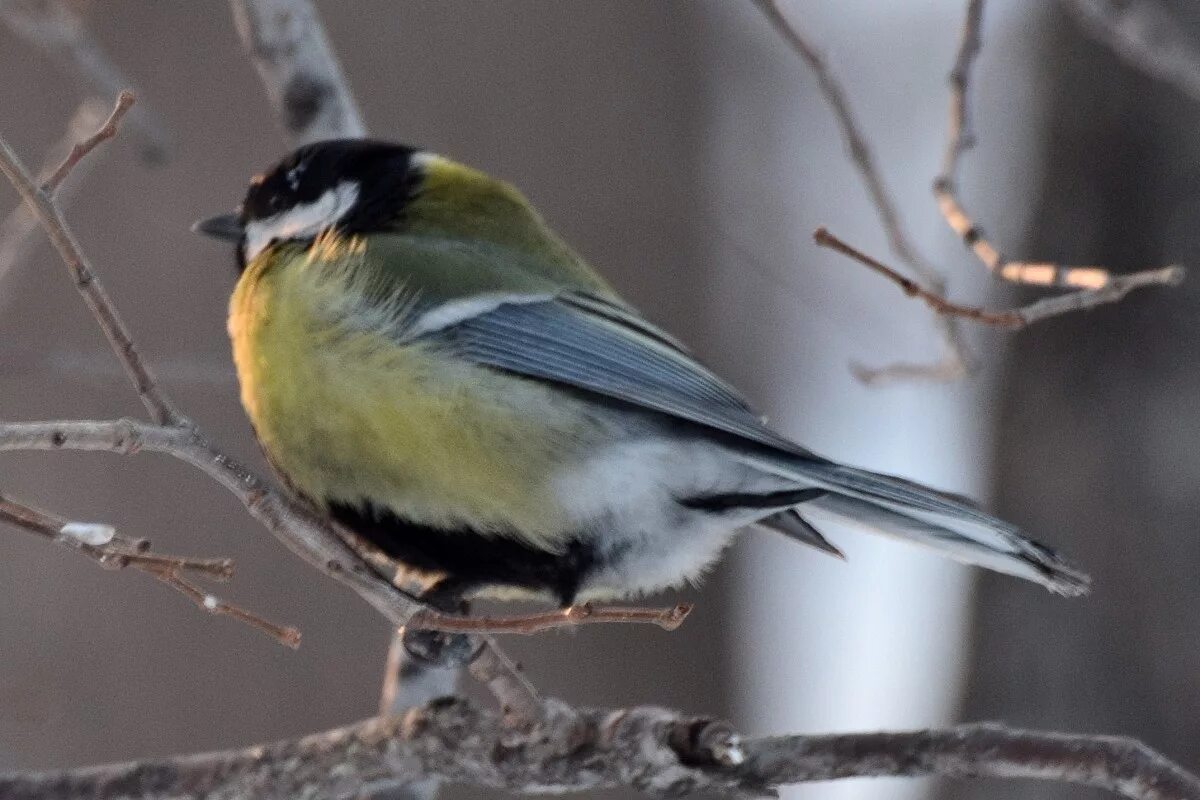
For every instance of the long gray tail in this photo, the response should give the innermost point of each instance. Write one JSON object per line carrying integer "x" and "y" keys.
{"x": 950, "y": 524}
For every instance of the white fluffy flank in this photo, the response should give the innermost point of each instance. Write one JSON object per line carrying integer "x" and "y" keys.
{"x": 302, "y": 221}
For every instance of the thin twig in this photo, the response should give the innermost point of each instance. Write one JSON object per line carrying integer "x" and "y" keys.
{"x": 206, "y": 601}
{"x": 1014, "y": 319}
{"x": 299, "y": 527}
{"x": 939, "y": 304}
{"x": 1146, "y": 35}
{"x": 860, "y": 152}
{"x": 89, "y": 285}
{"x": 80, "y": 149}
{"x": 18, "y": 228}
{"x": 56, "y": 29}
{"x": 960, "y": 137}
{"x": 954, "y": 363}
{"x": 292, "y": 522}
{"x": 651, "y": 750}
{"x": 526, "y": 624}
{"x": 104, "y": 546}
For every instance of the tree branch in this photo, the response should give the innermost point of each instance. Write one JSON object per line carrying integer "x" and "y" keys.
{"x": 18, "y": 228}
{"x": 1094, "y": 285}
{"x": 302, "y": 76}
{"x": 959, "y": 139}
{"x": 80, "y": 149}
{"x": 102, "y": 544}
{"x": 301, "y": 529}
{"x": 649, "y": 749}
{"x": 1015, "y": 319}
{"x": 954, "y": 364}
{"x": 87, "y": 282}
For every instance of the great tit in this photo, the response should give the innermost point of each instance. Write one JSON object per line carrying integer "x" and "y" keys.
{"x": 425, "y": 360}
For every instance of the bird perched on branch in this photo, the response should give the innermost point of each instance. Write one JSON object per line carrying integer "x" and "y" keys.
{"x": 425, "y": 360}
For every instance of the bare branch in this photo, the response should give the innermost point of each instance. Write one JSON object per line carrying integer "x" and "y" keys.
{"x": 102, "y": 544}
{"x": 860, "y": 152}
{"x": 18, "y": 228}
{"x": 300, "y": 528}
{"x": 954, "y": 364}
{"x": 959, "y": 139}
{"x": 303, "y": 78}
{"x": 80, "y": 149}
{"x": 56, "y": 29}
{"x": 939, "y": 304}
{"x": 206, "y": 601}
{"x": 293, "y": 523}
{"x": 650, "y": 749}
{"x": 666, "y": 618}
{"x": 1113, "y": 291}
{"x": 1145, "y": 35}
{"x": 89, "y": 286}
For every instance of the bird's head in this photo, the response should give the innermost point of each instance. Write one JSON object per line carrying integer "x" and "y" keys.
{"x": 352, "y": 186}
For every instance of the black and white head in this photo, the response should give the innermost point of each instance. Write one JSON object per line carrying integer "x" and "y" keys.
{"x": 349, "y": 185}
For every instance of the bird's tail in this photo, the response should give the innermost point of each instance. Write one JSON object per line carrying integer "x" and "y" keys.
{"x": 950, "y": 524}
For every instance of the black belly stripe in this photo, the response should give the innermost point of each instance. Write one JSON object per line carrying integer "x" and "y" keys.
{"x": 733, "y": 501}
{"x": 470, "y": 559}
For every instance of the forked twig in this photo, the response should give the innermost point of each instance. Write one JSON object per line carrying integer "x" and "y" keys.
{"x": 955, "y": 363}
{"x": 1093, "y": 286}
{"x": 88, "y": 284}
{"x": 1114, "y": 290}
{"x": 106, "y": 547}
{"x": 17, "y": 231}
{"x": 960, "y": 138}
{"x": 80, "y": 149}
{"x": 939, "y": 304}
{"x": 296, "y": 524}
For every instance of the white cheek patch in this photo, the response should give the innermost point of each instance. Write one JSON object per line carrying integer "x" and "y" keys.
{"x": 303, "y": 221}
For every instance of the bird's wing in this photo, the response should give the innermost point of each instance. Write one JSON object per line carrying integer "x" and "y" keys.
{"x": 596, "y": 345}
{"x": 587, "y": 342}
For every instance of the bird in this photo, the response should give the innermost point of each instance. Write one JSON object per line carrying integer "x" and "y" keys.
{"x": 423, "y": 359}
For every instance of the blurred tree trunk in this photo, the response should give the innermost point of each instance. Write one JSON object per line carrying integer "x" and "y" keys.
{"x": 1098, "y": 446}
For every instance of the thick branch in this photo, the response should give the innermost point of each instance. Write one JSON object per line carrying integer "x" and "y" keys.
{"x": 649, "y": 749}
{"x": 303, "y": 78}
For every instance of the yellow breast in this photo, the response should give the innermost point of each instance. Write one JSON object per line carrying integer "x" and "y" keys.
{"x": 347, "y": 414}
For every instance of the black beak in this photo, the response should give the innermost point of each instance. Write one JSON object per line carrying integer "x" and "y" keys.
{"x": 222, "y": 226}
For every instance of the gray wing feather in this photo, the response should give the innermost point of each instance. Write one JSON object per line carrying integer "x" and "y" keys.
{"x": 588, "y": 343}
{"x": 575, "y": 341}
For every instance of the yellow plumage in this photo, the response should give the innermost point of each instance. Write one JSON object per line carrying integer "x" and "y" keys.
{"x": 348, "y": 414}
